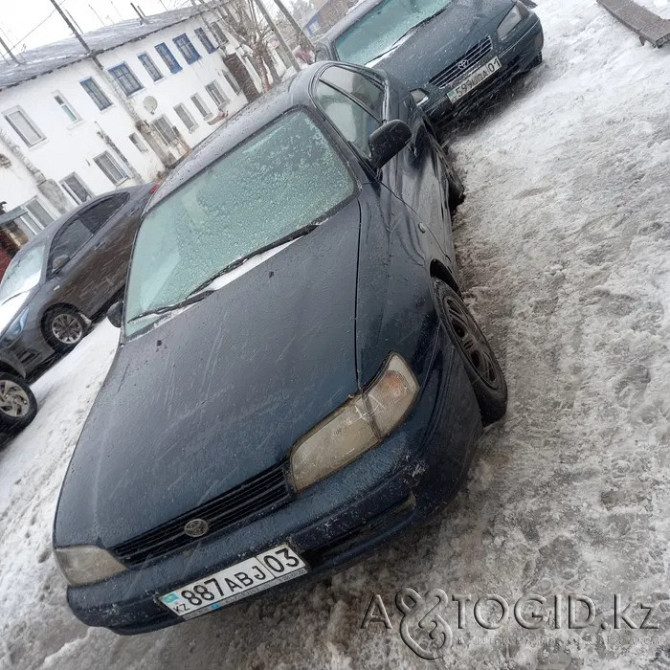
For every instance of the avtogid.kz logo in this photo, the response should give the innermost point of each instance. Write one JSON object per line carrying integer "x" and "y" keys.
{"x": 425, "y": 630}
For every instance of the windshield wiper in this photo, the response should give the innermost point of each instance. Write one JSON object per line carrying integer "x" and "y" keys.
{"x": 200, "y": 292}
{"x": 190, "y": 300}
{"x": 413, "y": 29}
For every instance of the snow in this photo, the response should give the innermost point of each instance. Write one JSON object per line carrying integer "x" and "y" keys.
{"x": 565, "y": 248}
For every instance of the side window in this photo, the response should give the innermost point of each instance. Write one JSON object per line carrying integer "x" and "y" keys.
{"x": 352, "y": 120}
{"x": 368, "y": 91}
{"x": 69, "y": 240}
{"x": 94, "y": 218}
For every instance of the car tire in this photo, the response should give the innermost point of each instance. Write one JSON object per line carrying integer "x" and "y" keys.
{"x": 479, "y": 359}
{"x": 18, "y": 405}
{"x": 64, "y": 329}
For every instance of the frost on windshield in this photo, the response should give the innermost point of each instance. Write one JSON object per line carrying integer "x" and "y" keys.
{"x": 283, "y": 179}
{"x": 382, "y": 27}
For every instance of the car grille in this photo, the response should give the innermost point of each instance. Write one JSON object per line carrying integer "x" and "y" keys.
{"x": 259, "y": 495}
{"x": 472, "y": 56}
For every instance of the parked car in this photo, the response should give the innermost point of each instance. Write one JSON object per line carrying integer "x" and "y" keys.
{"x": 67, "y": 274}
{"x": 452, "y": 55}
{"x": 18, "y": 405}
{"x": 298, "y": 376}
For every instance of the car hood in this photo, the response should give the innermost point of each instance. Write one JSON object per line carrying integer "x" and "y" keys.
{"x": 219, "y": 393}
{"x": 432, "y": 47}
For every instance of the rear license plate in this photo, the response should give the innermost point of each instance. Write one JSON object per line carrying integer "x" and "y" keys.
{"x": 263, "y": 571}
{"x": 479, "y": 76}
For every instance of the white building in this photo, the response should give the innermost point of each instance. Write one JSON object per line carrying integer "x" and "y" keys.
{"x": 75, "y": 124}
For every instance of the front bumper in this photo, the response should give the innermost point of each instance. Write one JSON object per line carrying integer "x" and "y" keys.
{"x": 31, "y": 349}
{"x": 516, "y": 58}
{"x": 390, "y": 487}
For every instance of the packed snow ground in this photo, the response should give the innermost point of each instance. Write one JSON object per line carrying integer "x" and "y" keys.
{"x": 564, "y": 242}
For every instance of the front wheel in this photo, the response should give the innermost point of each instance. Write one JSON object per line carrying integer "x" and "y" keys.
{"x": 481, "y": 364}
{"x": 64, "y": 328}
{"x": 18, "y": 405}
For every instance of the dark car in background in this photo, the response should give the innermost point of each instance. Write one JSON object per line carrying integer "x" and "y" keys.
{"x": 451, "y": 54}
{"x": 297, "y": 376}
{"x": 67, "y": 274}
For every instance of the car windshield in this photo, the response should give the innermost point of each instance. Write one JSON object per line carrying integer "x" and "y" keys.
{"x": 23, "y": 273}
{"x": 382, "y": 27}
{"x": 267, "y": 189}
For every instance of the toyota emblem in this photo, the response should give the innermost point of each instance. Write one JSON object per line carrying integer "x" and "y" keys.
{"x": 196, "y": 528}
{"x": 463, "y": 65}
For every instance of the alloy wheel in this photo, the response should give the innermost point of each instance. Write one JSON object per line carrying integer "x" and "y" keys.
{"x": 67, "y": 328}
{"x": 14, "y": 401}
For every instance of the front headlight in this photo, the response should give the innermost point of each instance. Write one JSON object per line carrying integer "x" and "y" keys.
{"x": 518, "y": 13}
{"x": 357, "y": 426}
{"x": 16, "y": 327}
{"x": 87, "y": 564}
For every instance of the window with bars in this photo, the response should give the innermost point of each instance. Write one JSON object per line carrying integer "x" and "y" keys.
{"x": 67, "y": 108}
{"x": 186, "y": 48}
{"x": 112, "y": 169}
{"x": 96, "y": 94}
{"x": 126, "y": 79}
{"x": 186, "y": 117}
{"x": 204, "y": 40}
{"x": 201, "y": 106}
{"x": 24, "y": 127}
{"x": 76, "y": 188}
{"x": 150, "y": 67}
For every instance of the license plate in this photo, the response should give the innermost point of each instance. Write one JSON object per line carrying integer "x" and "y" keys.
{"x": 241, "y": 580}
{"x": 479, "y": 76}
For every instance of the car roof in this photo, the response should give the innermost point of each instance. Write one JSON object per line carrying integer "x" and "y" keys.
{"x": 293, "y": 92}
{"x": 46, "y": 235}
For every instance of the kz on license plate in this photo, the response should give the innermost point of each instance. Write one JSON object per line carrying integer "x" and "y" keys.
{"x": 258, "y": 573}
{"x": 478, "y": 77}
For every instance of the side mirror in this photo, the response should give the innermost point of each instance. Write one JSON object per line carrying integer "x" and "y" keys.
{"x": 388, "y": 141}
{"x": 115, "y": 314}
{"x": 60, "y": 262}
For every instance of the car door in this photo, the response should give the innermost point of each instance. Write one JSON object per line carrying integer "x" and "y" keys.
{"x": 357, "y": 102}
{"x": 113, "y": 223}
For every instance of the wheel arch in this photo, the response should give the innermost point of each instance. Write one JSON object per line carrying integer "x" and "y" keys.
{"x": 439, "y": 271}
{"x": 64, "y": 305}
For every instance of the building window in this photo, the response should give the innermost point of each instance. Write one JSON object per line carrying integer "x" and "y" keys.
{"x": 186, "y": 118}
{"x": 76, "y": 188}
{"x": 232, "y": 81}
{"x": 186, "y": 48}
{"x": 96, "y": 93}
{"x": 150, "y": 66}
{"x": 165, "y": 130}
{"x": 204, "y": 40}
{"x": 126, "y": 79}
{"x": 113, "y": 171}
{"x": 165, "y": 53}
{"x": 219, "y": 34}
{"x": 38, "y": 212}
{"x": 216, "y": 94}
{"x": 201, "y": 106}
{"x": 67, "y": 108}
{"x": 24, "y": 127}
{"x": 137, "y": 142}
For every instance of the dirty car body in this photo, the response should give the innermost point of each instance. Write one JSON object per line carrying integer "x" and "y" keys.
{"x": 75, "y": 266}
{"x": 197, "y": 480}
{"x": 452, "y": 54}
